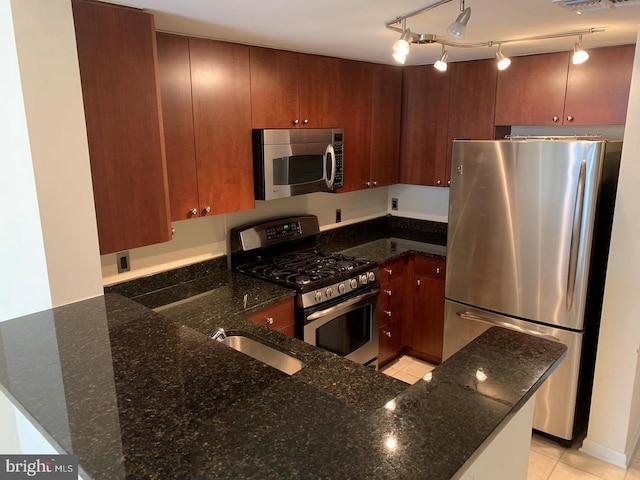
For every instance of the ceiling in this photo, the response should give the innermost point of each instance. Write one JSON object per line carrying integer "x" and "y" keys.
{"x": 355, "y": 29}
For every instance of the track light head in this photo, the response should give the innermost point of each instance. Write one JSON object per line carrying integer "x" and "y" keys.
{"x": 503, "y": 62}
{"x": 441, "y": 64}
{"x": 402, "y": 47}
{"x": 579, "y": 54}
{"x": 457, "y": 28}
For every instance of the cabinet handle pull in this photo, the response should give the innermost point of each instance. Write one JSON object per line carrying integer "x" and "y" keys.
{"x": 387, "y": 313}
{"x": 296, "y": 121}
{"x": 387, "y": 333}
{"x": 437, "y": 270}
{"x": 207, "y": 209}
{"x": 418, "y": 282}
{"x": 555, "y": 119}
{"x": 368, "y": 184}
{"x": 173, "y": 231}
{"x": 449, "y": 183}
{"x": 269, "y": 320}
{"x": 305, "y": 121}
{"x": 388, "y": 292}
{"x": 569, "y": 118}
{"x": 375, "y": 183}
{"x": 438, "y": 182}
{"x": 193, "y": 211}
{"x": 389, "y": 271}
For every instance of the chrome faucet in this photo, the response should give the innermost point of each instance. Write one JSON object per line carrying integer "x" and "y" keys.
{"x": 219, "y": 335}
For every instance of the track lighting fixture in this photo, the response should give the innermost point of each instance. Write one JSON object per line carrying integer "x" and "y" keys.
{"x": 503, "y": 62}
{"x": 579, "y": 53}
{"x": 442, "y": 63}
{"x": 458, "y": 27}
{"x": 403, "y": 45}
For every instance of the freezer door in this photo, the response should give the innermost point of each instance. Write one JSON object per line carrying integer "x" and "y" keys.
{"x": 556, "y": 399}
{"x": 521, "y": 216}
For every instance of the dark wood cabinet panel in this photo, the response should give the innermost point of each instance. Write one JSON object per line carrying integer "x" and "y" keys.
{"x": 425, "y": 108}
{"x": 354, "y": 106}
{"x": 175, "y": 86}
{"x": 391, "y": 309}
{"x": 118, "y": 70}
{"x": 318, "y": 82}
{"x": 274, "y": 88}
{"x": 221, "y": 90}
{"x": 279, "y": 317}
{"x": 425, "y": 325}
{"x": 598, "y": 90}
{"x": 532, "y": 90}
{"x": 472, "y": 100}
{"x": 385, "y": 125}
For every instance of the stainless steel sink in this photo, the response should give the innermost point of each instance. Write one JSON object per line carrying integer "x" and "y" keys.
{"x": 272, "y": 357}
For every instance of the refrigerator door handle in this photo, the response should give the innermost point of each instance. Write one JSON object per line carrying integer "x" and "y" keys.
{"x": 575, "y": 236}
{"x": 467, "y": 315}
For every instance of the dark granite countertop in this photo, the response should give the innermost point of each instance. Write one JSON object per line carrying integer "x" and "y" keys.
{"x": 137, "y": 395}
{"x": 387, "y": 249}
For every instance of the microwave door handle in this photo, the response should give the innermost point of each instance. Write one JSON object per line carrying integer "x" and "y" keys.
{"x": 331, "y": 155}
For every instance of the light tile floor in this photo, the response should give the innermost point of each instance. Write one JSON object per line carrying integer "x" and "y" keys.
{"x": 547, "y": 459}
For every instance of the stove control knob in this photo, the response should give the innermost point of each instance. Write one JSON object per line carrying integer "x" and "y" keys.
{"x": 341, "y": 288}
{"x": 363, "y": 279}
{"x": 353, "y": 283}
{"x": 328, "y": 292}
{"x": 371, "y": 276}
{"x": 318, "y": 296}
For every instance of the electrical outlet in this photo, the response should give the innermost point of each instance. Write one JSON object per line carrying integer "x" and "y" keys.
{"x": 122, "y": 260}
{"x": 338, "y": 215}
{"x": 394, "y": 204}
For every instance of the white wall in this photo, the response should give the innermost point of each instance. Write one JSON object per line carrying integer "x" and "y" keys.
{"x": 614, "y": 424}
{"x": 426, "y": 203}
{"x": 201, "y": 239}
{"x": 46, "y": 46}
{"x": 24, "y": 285}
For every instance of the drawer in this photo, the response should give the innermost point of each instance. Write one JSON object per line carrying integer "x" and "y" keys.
{"x": 390, "y": 271}
{"x": 278, "y": 317}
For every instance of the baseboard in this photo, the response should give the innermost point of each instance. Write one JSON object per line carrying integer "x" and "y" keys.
{"x": 606, "y": 454}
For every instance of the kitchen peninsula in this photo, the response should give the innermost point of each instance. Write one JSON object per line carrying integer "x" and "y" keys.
{"x": 137, "y": 395}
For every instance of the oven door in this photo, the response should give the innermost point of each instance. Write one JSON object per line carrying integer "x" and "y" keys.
{"x": 348, "y": 328}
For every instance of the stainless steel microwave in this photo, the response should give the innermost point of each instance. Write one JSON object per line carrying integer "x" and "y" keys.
{"x": 288, "y": 162}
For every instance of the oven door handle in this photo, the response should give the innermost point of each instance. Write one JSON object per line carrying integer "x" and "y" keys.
{"x": 341, "y": 306}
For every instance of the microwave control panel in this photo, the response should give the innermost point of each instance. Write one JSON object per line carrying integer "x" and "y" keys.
{"x": 337, "y": 148}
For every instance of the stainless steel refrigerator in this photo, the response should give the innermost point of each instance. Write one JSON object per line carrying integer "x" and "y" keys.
{"x": 527, "y": 246}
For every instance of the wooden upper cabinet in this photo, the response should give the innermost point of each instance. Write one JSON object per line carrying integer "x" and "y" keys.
{"x": 532, "y": 90}
{"x": 385, "y": 125}
{"x": 118, "y": 71}
{"x": 318, "y": 82}
{"x": 221, "y": 90}
{"x": 472, "y": 100}
{"x": 353, "y": 100}
{"x": 206, "y": 105}
{"x": 175, "y": 86}
{"x": 598, "y": 90}
{"x": 425, "y": 109}
{"x": 274, "y": 88}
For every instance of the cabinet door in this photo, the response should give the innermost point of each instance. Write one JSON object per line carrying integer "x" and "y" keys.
{"x": 118, "y": 72}
{"x": 385, "y": 125}
{"x": 318, "y": 83}
{"x": 472, "y": 100}
{"x": 425, "y": 109}
{"x": 598, "y": 90}
{"x": 221, "y": 92}
{"x": 532, "y": 90}
{"x": 279, "y": 317}
{"x": 354, "y": 102}
{"x": 175, "y": 84}
{"x": 274, "y": 88}
{"x": 426, "y": 332}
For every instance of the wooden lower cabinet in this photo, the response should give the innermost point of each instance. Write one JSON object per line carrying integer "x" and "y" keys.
{"x": 424, "y": 326}
{"x": 278, "y": 317}
{"x": 391, "y": 308}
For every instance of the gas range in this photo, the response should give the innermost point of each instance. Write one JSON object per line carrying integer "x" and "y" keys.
{"x": 337, "y": 295}
{"x": 283, "y": 251}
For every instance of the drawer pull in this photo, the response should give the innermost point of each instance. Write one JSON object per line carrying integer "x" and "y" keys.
{"x": 269, "y": 320}
{"x": 418, "y": 282}
{"x": 437, "y": 270}
{"x": 388, "y": 292}
{"x": 387, "y": 313}
{"x": 387, "y": 333}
